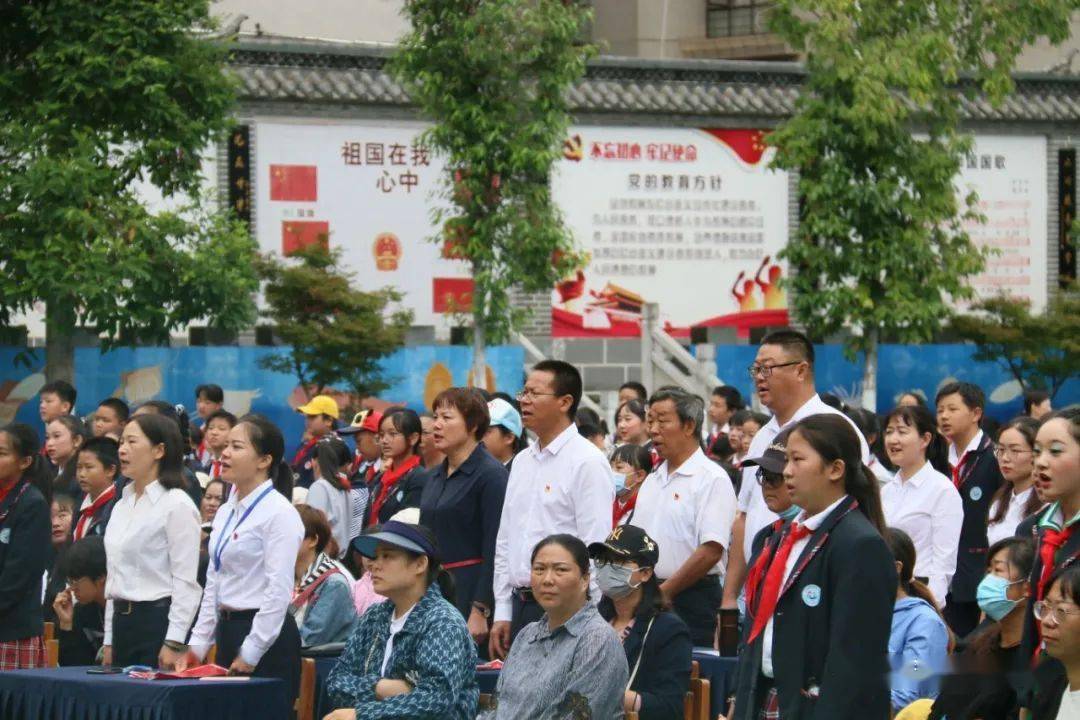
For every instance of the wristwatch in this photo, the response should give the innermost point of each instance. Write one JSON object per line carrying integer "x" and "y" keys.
{"x": 175, "y": 646}
{"x": 482, "y": 609}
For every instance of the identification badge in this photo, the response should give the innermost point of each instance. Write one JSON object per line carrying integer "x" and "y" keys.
{"x": 811, "y": 595}
{"x": 5, "y": 536}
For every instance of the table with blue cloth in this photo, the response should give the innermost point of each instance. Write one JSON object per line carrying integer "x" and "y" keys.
{"x": 69, "y": 693}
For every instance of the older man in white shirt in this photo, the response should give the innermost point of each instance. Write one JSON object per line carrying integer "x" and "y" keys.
{"x": 783, "y": 375}
{"x": 559, "y": 484}
{"x": 687, "y": 505}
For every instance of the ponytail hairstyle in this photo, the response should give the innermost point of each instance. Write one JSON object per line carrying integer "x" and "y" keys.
{"x": 25, "y": 444}
{"x": 66, "y": 482}
{"x": 999, "y": 504}
{"x": 903, "y": 552}
{"x": 406, "y": 422}
{"x": 160, "y": 430}
{"x": 331, "y": 453}
{"x": 833, "y": 438}
{"x": 920, "y": 419}
{"x": 267, "y": 439}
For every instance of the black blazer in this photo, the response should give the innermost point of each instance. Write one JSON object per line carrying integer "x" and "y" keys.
{"x": 80, "y": 644}
{"x": 663, "y": 678}
{"x": 25, "y": 542}
{"x": 406, "y": 494}
{"x": 980, "y": 479}
{"x": 1069, "y": 554}
{"x": 831, "y": 626}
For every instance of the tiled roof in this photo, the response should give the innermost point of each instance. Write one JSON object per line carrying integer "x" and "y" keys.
{"x": 321, "y": 72}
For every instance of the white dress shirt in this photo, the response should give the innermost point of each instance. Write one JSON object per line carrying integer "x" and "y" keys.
{"x": 813, "y": 523}
{"x": 565, "y": 487}
{"x": 1014, "y": 515}
{"x": 751, "y": 502}
{"x": 684, "y": 508}
{"x": 152, "y": 552}
{"x": 257, "y": 561}
{"x": 928, "y": 508}
{"x": 955, "y": 458}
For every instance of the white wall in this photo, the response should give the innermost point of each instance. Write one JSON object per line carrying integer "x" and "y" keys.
{"x": 355, "y": 20}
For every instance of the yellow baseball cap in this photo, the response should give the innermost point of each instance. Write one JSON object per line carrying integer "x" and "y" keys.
{"x": 321, "y": 405}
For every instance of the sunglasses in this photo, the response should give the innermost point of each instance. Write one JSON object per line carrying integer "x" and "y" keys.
{"x": 769, "y": 478}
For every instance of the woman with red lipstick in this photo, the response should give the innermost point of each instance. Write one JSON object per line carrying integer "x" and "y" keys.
{"x": 1016, "y": 498}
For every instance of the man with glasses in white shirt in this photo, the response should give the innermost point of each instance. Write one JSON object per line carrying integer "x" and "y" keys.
{"x": 560, "y": 484}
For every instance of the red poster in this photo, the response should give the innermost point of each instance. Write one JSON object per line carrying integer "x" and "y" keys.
{"x": 299, "y": 234}
{"x": 294, "y": 183}
{"x": 747, "y": 144}
{"x": 451, "y": 294}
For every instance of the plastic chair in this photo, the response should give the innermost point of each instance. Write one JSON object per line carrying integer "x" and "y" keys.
{"x": 305, "y": 704}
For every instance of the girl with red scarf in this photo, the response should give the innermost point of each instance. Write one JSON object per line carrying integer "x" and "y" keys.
{"x": 401, "y": 481}
{"x": 630, "y": 465}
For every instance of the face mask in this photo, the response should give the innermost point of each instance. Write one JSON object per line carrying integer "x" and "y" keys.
{"x": 619, "y": 480}
{"x": 614, "y": 580}
{"x": 993, "y": 598}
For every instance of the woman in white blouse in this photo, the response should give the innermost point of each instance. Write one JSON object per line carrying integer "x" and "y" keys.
{"x": 921, "y": 499}
{"x": 253, "y": 547}
{"x": 152, "y": 550}
{"x": 1016, "y": 498}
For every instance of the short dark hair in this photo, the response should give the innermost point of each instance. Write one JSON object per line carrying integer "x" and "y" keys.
{"x": 315, "y": 525}
{"x": 105, "y": 449}
{"x": 210, "y": 392}
{"x": 1033, "y": 398}
{"x": 636, "y": 456}
{"x": 637, "y": 387}
{"x": 222, "y": 415}
{"x": 467, "y": 401}
{"x": 118, "y": 406}
{"x": 793, "y": 342}
{"x": 86, "y": 558}
{"x": 972, "y": 395}
{"x": 566, "y": 380}
{"x": 62, "y": 389}
{"x": 731, "y": 396}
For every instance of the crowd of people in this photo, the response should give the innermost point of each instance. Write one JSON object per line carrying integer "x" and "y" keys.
{"x": 917, "y": 564}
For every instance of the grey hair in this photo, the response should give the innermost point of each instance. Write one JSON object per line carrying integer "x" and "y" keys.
{"x": 689, "y": 408}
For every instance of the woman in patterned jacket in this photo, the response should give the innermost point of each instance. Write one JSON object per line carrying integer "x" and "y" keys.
{"x": 411, "y": 657}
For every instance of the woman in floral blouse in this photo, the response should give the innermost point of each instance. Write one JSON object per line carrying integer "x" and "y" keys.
{"x": 411, "y": 657}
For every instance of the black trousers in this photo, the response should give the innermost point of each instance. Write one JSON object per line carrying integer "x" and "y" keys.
{"x": 962, "y": 617}
{"x": 281, "y": 660}
{"x": 697, "y": 605}
{"x": 525, "y": 610}
{"x": 138, "y": 631}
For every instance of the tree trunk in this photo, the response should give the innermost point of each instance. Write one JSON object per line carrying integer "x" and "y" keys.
{"x": 870, "y": 367}
{"x": 479, "y": 361}
{"x": 60, "y": 341}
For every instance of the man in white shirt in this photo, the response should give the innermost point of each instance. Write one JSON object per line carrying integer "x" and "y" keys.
{"x": 783, "y": 375}
{"x": 559, "y": 484}
{"x": 687, "y": 506}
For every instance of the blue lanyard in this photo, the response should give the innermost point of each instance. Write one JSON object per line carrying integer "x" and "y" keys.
{"x": 223, "y": 541}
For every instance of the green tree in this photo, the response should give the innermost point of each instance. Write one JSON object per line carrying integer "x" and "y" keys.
{"x": 881, "y": 249}
{"x": 335, "y": 333}
{"x": 1040, "y": 350}
{"x": 95, "y": 97}
{"x": 492, "y": 75}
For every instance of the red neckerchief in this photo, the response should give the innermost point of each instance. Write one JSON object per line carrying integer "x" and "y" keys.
{"x": 957, "y": 479}
{"x": 304, "y": 449}
{"x": 343, "y": 481}
{"x": 757, "y": 572}
{"x": 389, "y": 479}
{"x": 1050, "y": 541}
{"x": 215, "y": 469}
{"x": 87, "y": 513}
{"x": 774, "y": 578}
{"x": 6, "y": 487}
{"x": 620, "y": 511}
{"x": 21, "y": 488}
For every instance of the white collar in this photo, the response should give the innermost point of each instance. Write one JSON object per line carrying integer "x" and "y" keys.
{"x": 815, "y": 521}
{"x": 810, "y": 407}
{"x": 954, "y": 458}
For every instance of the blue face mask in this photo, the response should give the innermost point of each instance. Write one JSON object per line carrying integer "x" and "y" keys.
{"x": 619, "y": 480}
{"x": 992, "y": 596}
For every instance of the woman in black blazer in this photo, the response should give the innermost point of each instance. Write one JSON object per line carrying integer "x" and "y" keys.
{"x": 820, "y": 593}
{"x": 659, "y": 651}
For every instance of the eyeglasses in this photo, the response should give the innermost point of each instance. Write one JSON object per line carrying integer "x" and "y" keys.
{"x": 1044, "y": 611}
{"x": 766, "y": 370}
{"x": 1000, "y": 451}
{"x": 766, "y": 477}
{"x": 531, "y": 395}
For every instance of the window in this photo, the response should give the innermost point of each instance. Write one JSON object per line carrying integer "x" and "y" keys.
{"x": 726, "y": 18}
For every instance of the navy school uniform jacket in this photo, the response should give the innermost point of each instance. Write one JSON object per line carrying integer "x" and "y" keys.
{"x": 1068, "y": 554}
{"x": 831, "y": 625}
{"x": 405, "y": 494}
{"x": 980, "y": 479}
{"x": 663, "y": 678}
{"x": 25, "y": 533}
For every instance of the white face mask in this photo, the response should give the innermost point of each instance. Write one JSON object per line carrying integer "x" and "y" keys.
{"x": 614, "y": 580}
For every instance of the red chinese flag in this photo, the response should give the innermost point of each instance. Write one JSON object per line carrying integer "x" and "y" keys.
{"x": 747, "y": 144}
{"x": 451, "y": 294}
{"x": 299, "y": 234}
{"x": 294, "y": 183}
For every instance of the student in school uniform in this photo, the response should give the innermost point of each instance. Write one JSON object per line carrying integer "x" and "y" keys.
{"x": 1016, "y": 499}
{"x": 367, "y": 461}
{"x": 63, "y": 438}
{"x": 56, "y": 399}
{"x": 215, "y": 438}
{"x": 401, "y": 481}
{"x": 724, "y": 403}
{"x": 253, "y": 549}
{"x": 97, "y": 469}
{"x": 152, "y": 549}
{"x": 209, "y": 398}
{"x": 80, "y": 607}
{"x": 504, "y": 437}
{"x": 110, "y": 417}
{"x": 320, "y": 419}
{"x": 332, "y": 491}
{"x": 921, "y": 500}
{"x": 24, "y": 547}
{"x": 820, "y": 594}
{"x": 976, "y": 474}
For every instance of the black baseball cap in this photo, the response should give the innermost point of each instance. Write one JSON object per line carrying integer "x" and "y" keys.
{"x": 630, "y": 542}
{"x": 775, "y": 456}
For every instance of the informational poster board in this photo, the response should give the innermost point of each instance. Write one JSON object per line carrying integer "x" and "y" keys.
{"x": 1009, "y": 174}
{"x": 690, "y": 219}
{"x": 369, "y": 189}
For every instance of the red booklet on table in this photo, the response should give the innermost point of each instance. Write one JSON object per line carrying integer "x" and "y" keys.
{"x": 193, "y": 673}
